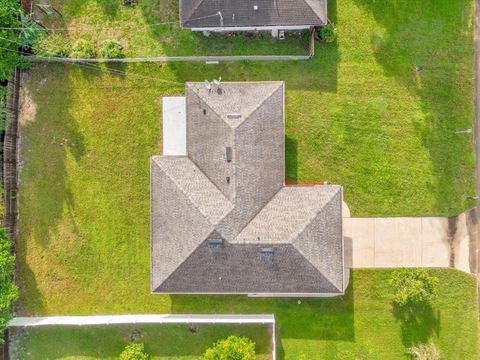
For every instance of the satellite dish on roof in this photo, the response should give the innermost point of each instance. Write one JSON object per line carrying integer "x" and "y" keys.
{"x": 207, "y": 85}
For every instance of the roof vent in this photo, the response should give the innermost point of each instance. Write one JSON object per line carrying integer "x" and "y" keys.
{"x": 234, "y": 115}
{"x": 215, "y": 243}
{"x": 229, "y": 153}
{"x": 255, "y": 7}
{"x": 266, "y": 253}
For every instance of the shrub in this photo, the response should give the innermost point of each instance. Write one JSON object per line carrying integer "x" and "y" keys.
{"x": 111, "y": 49}
{"x": 83, "y": 49}
{"x": 55, "y": 45}
{"x": 413, "y": 286}
{"x": 425, "y": 352}
{"x": 231, "y": 348}
{"x": 134, "y": 351}
{"x": 328, "y": 33}
{"x": 8, "y": 290}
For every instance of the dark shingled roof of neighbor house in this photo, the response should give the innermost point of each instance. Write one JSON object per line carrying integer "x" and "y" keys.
{"x": 204, "y": 13}
{"x": 221, "y": 226}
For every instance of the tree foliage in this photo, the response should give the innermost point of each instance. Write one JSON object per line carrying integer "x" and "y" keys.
{"x": 231, "y": 348}
{"x": 10, "y": 16}
{"x": 8, "y": 290}
{"x": 413, "y": 286}
{"x": 134, "y": 351}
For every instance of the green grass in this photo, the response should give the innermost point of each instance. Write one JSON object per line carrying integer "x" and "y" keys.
{"x": 360, "y": 325}
{"x": 143, "y": 32}
{"x": 358, "y": 114}
{"x": 100, "y": 342}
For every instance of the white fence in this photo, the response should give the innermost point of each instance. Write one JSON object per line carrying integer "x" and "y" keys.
{"x": 92, "y": 320}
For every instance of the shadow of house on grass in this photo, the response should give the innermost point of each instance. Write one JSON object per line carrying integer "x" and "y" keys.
{"x": 291, "y": 159}
{"x": 319, "y": 319}
{"x": 418, "y": 323}
{"x": 427, "y": 46}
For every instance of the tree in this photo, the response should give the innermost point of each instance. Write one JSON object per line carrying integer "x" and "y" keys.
{"x": 413, "y": 286}
{"x": 10, "y": 17}
{"x": 231, "y": 348}
{"x": 8, "y": 290}
{"x": 134, "y": 351}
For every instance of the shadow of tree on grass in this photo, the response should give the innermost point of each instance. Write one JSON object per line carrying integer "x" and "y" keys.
{"x": 419, "y": 322}
{"x": 428, "y": 47}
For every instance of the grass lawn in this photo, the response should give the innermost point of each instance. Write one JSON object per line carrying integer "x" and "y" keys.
{"x": 358, "y": 114}
{"x": 143, "y": 33}
{"x": 361, "y": 325}
{"x": 99, "y": 342}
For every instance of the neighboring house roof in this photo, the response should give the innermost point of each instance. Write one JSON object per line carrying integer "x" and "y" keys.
{"x": 248, "y": 13}
{"x": 222, "y": 221}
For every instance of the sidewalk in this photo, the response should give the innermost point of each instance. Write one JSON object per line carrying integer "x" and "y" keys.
{"x": 407, "y": 242}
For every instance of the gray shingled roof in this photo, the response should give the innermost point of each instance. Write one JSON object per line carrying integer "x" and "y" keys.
{"x": 202, "y": 13}
{"x": 207, "y": 233}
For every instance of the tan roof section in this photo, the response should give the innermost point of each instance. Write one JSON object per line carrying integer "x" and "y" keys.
{"x": 226, "y": 223}
{"x": 233, "y": 100}
{"x": 203, "y": 194}
{"x": 287, "y": 215}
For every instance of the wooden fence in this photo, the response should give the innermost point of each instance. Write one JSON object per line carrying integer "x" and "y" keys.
{"x": 10, "y": 175}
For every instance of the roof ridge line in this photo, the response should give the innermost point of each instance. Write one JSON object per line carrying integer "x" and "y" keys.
{"x": 206, "y": 103}
{"x": 259, "y": 105}
{"x": 303, "y": 230}
{"x": 188, "y": 196}
{"x": 313, "y": 10}
{"x": 306, "y": 259}
{"x": 310, "y": 220}
{"x": 191, "y": 13}
{"x": 256, "y": 214}
{"x": 194, "y": 161}
{"x": 281, "y": 83}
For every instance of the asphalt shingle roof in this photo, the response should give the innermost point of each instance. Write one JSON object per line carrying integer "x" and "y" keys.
{"x": 202, "y": 13}
{"x": 221, "y": 226}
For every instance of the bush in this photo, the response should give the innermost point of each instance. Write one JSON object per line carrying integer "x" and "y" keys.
{"x": 413, "y": 286}
{"x": 328, "y": 33}
{"x": 111, "y": 49}
{"x": 83, "y": 49}
{"x": 134, "y": 351}
{"x": 55, "y": 45}
{"x": 425, "y": 352}
{"x": 231, "y": 348}
{"x": 8, "y": 290}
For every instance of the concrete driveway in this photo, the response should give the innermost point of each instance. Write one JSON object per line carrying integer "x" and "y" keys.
{"x": 407, "y": 242}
